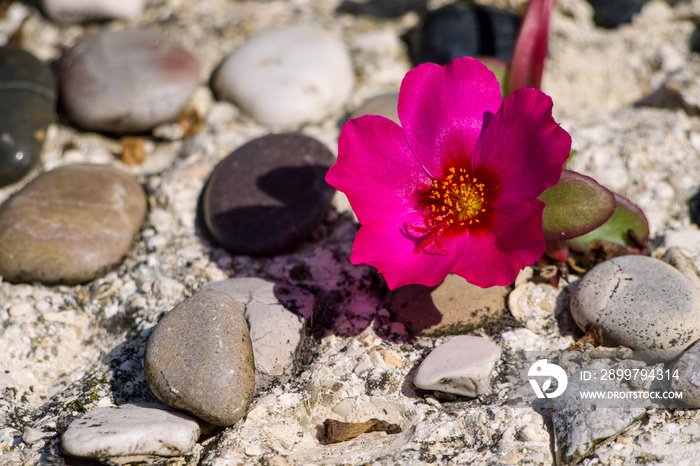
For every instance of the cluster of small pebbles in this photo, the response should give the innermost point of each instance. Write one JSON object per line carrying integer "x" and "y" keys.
{"x": 175, "y": 276}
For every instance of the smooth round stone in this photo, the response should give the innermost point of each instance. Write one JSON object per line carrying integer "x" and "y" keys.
{"x": 28, "y": 96}
{"x": 126, "y": 81}
{"x": 76, "y": 11}
{"x": 131, "y": 429}
{"x": 641, "y": 303}
{"x": 612, "y": 13}
{"x": 199, "y": 358}
{"x": 688, "y": 380}
{"x": 269, "y": 194}
{"x": 455, "y": 31}
{"x": 454, "y": 307}
{"x": 462, "y": 365}
{"x": 70, "y": 225}
{"x": 286, "y": 77}
{"x": 383, "y": 105}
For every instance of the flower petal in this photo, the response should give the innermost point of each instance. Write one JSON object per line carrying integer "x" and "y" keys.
{"x": 442, "y": 110}
{"x": 523, "y": 147}
{"x": 389, "y": 245}
{"x": 376, "y": 169}
{"x": 494, "y": 256}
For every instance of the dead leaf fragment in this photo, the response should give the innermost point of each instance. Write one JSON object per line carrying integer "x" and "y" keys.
{"x": 338, "y": 431}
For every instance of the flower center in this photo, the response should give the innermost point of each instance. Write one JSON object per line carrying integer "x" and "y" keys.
{"x": 457, "y": 199}
{"x": 452, "y": 203}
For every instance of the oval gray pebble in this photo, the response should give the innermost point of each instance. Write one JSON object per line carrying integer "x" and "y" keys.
{"x": 28, "y": 96}
{"x": 641, "y": 303}
{"x": 70, "y": 225}
{"x": 269, "y": 194}
{"x": 199, "y": 359}
{"x": 126, "y": 81}
{"x": 285, "y": 77}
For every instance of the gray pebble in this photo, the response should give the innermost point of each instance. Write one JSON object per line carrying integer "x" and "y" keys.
{"x": 383, "y": 105}
{"x": 199, "y": 358}
{"x": 131, "y": 429}
{"x": 276, "y": 333}
{"x": 69, "y": 225}
{"x": 285, "y": 77}
{"x": 462, "y": 365}
{"x": 688, "y": 380}
{"x": 641, "y": 303}
{"x": 126, "y": 81}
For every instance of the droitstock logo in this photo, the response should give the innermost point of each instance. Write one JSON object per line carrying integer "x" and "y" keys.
{"x": 542, "y": 368}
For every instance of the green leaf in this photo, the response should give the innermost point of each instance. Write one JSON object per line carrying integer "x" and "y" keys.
{"x": 575, "y": 206}
{"x": 627, "y": 216}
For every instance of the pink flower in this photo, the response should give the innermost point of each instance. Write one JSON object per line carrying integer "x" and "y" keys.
{"x": 454, "y": 188}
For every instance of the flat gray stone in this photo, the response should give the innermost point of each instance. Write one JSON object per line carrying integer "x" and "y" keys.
{"x": 454, "y": 307}
{"x": 199, "y": 358}
{"x": 285, "y": 77}
{"x": 462, "y": 365}
{"x": 641, "y": 303}
{"x": 131, "y": 429}
{"x": 276, "y": 332}
{"x": 688, "y": 381}
{"x": 70, "y": 225}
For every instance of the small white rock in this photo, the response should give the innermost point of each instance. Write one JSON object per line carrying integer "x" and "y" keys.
{"x": 143, "y": 429}
{"x": 288, "y": 76}
{"x": 462, "y": 365}
{"x": 76, "y": 11}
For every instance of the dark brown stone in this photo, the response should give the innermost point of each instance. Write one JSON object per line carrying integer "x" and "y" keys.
{"x": 269, "y": 194}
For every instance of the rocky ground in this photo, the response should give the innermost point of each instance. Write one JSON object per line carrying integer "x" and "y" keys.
{"x": 629, "y": 98}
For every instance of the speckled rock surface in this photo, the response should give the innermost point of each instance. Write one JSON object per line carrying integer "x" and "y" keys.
{"x": 199, "y": 359}
{"x": 69, "y": 225}
{"x": 641, "y": 303}
{"x": 71, "y": 349}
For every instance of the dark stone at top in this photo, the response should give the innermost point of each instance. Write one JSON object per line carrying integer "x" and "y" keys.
{"x": 455, "y": 31}
{"x": 27, "y": 101}
{"x": 382, "y": 8}
{"x": 611, "y": 13}
{"x": 269, "y": 194}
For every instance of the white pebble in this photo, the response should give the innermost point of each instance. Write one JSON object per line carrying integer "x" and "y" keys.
{"x": 462, "y": 365}
{"x": 76, "y": 11}
{"x": 287, "y": 77}
{"x": 144, "y": 429}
